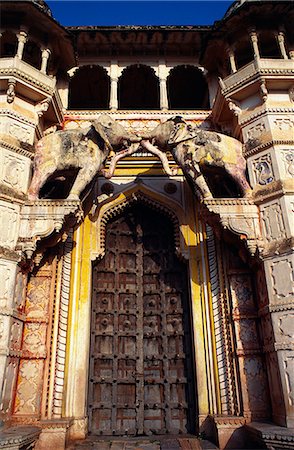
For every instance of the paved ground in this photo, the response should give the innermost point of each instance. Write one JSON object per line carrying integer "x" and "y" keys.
{"x": 167, "y": 443}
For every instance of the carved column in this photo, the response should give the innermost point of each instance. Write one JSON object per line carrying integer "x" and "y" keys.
{"x": 114, "y": 74}
{"x": 232, "y": 60}
{"x": 45, "y": 57}
{"x": 269, "y": 151}
{"x": 22, "y": 39}
{"x": 163, "y": 74}
{"x": 113, "y": 102}
{"x": 254, "y": 42}
{"x": 281, "y": 41}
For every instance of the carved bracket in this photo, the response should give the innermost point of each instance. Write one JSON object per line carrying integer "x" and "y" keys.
{"x": 240, "y": 216}
{"x": 41, "y": 218}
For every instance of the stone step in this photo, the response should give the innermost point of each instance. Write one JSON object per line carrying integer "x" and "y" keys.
{"x": 158, "y": 443}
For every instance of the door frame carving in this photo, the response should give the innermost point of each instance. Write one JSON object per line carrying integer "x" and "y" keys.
{"x": 89, "y": 244}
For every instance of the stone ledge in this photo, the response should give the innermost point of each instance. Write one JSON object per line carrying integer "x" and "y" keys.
{"x": 19, "y": 437}
{"x": 271, "y": 436}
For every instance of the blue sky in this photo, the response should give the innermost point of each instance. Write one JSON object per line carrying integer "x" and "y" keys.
{"x": 152, "y": 12}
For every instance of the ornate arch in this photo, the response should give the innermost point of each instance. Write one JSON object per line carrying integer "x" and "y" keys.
{"x": 115, "y": 206}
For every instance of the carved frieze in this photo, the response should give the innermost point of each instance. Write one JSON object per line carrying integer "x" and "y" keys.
{"x": 15, "y": 335}
{"x": 255, "y": 376}
{"x": 288, "y": 160}
{"x": 41, "y": 218}
{"x": 9, "y": 222}
{"x": 286, "y": 325}
{"x": 263, "y": 170}
{"x": 37, "y": 298}
{"x": 14, "y": 171}
{"x": 241, "y": 217}
{"x": 9, "y": 384}
{"x": 255, "y": 131}
{"x": 7, "y": 282}
{"x": 284, "y": 123}
{"x": 34, "y": 339}
{"x": 242, "y": 295}
{"x": 282, "y": 278}
{"x": 273, "y": 222}
{"x": 28, "y": 398}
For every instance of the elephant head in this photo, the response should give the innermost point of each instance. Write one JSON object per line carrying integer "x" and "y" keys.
{"x": 114, "y": 134}
{"x": 193, "y": 148}
{"x": 82, "y": 150}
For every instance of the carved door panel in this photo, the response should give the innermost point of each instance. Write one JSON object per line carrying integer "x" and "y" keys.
{"x": 141, "y": 372}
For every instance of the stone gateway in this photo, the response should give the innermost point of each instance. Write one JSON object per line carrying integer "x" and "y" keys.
{"x": 146, "y": 232}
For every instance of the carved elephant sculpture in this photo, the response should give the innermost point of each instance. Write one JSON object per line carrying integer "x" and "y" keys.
{"x": 82, "y": 149}
{"x": 192, "y": 148}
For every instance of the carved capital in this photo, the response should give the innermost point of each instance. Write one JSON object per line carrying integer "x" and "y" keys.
{"x": 241, "y": 217}
{"x": 43, "y": 106}
{"x": 45, "y": 217}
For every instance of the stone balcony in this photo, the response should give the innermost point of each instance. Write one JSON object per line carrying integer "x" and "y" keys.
{"x": 265, "y": 68}
{"x": 27, "y": 76}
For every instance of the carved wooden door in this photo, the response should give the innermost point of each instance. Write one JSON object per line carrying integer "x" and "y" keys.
{"x": 141, "y": 371}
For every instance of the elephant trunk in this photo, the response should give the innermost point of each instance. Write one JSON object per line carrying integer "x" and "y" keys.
{"x": 146, "y": 136}
{"x": 133, "y": 139}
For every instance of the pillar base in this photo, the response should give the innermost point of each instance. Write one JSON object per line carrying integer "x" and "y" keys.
{"x": 54, "y": 434}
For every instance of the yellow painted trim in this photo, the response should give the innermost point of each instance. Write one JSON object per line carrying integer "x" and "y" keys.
{"x": 212, "y": 329}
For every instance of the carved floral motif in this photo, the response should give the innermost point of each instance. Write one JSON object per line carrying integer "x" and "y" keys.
{"x": 38, "y": 297}
{"x": 29, "y": 384}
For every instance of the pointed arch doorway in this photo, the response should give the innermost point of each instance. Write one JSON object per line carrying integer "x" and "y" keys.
{"x": 141, "y": 379}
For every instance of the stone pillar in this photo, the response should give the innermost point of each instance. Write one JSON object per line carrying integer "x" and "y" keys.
{"x": 163, "y": 94}
{"x": 231, "y": 56}
{"x": 22, "y": 39}
{"x": 163, "y": 72}
{"x": 281, "y": 41}
{"x": 45, "y": 57}
{"x": 270, "y": 168}
{"x": 114, "y": 72}
{"x": 113, "y": 101}
{"x": 254, "y": 42}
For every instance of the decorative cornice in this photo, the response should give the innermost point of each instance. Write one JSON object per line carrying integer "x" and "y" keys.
{"x": 14, "y": 148}
{"x": 142, "y": 114}
{"x": 19, "y": 437}
{"x": 257, "y": 74}
{"x": 277, "y": 188}
{"x": 45, "y": 217}
{"x": 12, "y": 195}
{"x": 240, "y": 216}
{"x": 11, "y": 71}
{"x": 14, "y": 115}
{"x": 265, "y": 146}
{"x": 11, "y": 255}
{"x": 276, "y": 110}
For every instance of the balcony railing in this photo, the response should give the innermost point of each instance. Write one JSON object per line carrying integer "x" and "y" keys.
{"x": 259, "y": 66}
{"x": 17, "y": 68}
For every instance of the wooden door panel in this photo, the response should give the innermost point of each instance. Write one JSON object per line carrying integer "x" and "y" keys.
{"x": 138, "y": 363}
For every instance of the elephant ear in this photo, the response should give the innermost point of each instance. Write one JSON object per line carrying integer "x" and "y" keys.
{"x": 100, "y": 130}
{"x": 178, "y": 134}
{"x": 182, "y": 132}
